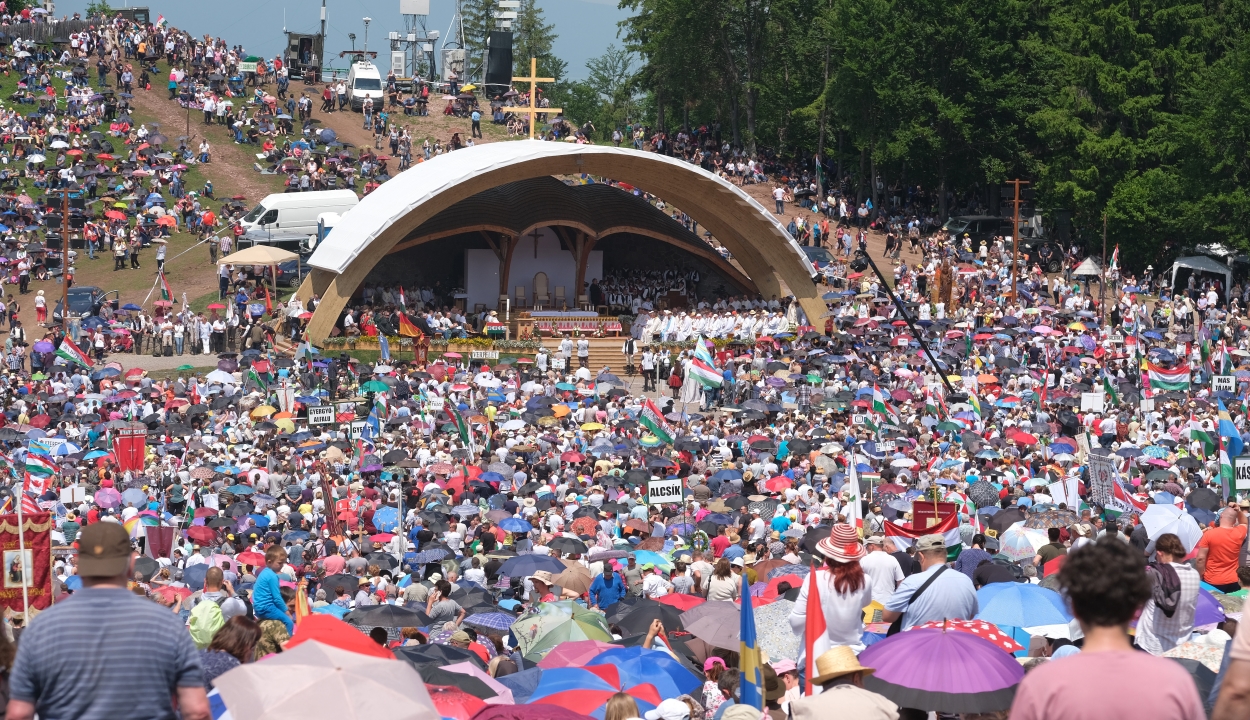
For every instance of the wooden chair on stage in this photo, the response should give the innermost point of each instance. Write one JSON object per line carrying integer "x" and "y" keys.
{"x": 542, "y": 295}
{"x": 560, "y": 299}
{"x": 522, "y": 298}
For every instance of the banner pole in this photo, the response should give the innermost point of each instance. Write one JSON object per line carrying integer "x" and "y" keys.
{"x": 21, "y": 548}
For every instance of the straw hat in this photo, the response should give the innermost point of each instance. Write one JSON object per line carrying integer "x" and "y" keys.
{"x": 836, "y": 662}
{"x": 842, "y": 545}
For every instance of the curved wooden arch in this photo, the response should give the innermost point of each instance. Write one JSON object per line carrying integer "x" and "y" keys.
{"x": 383, "y": 219}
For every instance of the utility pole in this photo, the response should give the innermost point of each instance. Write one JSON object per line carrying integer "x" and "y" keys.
{"x": 1015, "y": 234}
{"x": 1102, "y": 285}
{"x": 323, "y": 28}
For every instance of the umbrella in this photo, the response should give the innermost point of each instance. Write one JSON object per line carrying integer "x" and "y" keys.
{"x": 433, "y": 655}
{"x": 983, "y": 494}
{"x": 1020, "y": 543}
{"x": 980, "y": 628}
{"x": 936, "y": 669}
{"x": 315, "y": 678}
{"x": 636, "y": 619}
{"x": 638, "y": 665}
{"x": 1161, "y": 519}
{"x": 1052, "y": 519}
{"x": 500, "y": 621}
{"x": 715, "y": 623}
{"x": 392, "y": 616}
{"x": 772, "y": 630}
{"x": 1020, "y": 605}
{"x": 574, "y": 653}
{"x": 524, "y": 565}
{"x": 550, "y": 624}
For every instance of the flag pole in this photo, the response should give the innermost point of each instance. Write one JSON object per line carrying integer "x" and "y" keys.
{"x": 21, "y": 542}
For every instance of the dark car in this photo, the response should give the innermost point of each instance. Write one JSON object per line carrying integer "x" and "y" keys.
{"x": 291, "y": 272}
{"x": 818, "y": 255}
{"x": 85, "y": 299}
{"x": 977, "y": 227}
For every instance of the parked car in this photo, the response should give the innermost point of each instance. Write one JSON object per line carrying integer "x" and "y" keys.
{"x": 290, "y": 272}
{"x": 85, "y": 299}
{"x": 1041, "y": 250}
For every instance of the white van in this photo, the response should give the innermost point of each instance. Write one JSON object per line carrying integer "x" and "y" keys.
{"x": 295, "y": 213}
{"x": 363, "y": 81}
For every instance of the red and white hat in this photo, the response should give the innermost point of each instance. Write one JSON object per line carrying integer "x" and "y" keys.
{"x": 842, "y": 545}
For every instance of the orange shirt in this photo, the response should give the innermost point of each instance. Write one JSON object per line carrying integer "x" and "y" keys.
{"x": 1223, "y": 551}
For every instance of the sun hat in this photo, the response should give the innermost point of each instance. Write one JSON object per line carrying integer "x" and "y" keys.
{"x": 836, "y": 662}
{"x": 842, "y": 545}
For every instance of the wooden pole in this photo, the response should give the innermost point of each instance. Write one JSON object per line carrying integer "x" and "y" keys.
{"x": 1015, "y": 234}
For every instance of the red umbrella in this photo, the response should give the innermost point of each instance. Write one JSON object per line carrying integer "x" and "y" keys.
{"x": 770, "y": 592}
{"x": 115, "y": 215}
{"x": 251, "y": 558}
{"x": 40, "y": 421}
{"x": 201, "y": 534}
{"x": 452, "y": 702}
{"x": 216, "y": 306}
{"x": 170, "y": 592}
{"x": 980, "y": 628}
{"x": 1024, "y": 439}
{"x": 779, "y": 483}
{"x": 205, "y": 512}
{"x": 680, "y": 601}
{"x": 332, "y": 631}
{"x": 572, "y": 456}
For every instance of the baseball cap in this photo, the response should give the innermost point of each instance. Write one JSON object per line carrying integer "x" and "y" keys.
{"x": 737, "y": 562}
{"x": 931, "y": 542}
{"x": 461, "y": 636}
{"x": 670, "y": 709}
{"x": 875, "y": 540}
{"x": 103, "y": 550}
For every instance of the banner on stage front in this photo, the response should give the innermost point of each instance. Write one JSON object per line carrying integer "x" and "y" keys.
{"x": 31, "y": 566}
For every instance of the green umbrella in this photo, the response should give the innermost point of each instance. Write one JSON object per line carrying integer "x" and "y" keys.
{"x": 814, "y": 379}
{"x": 183, "y": 368}
{"x": 550, "y": 624}
{"x": 375, "y": 386}
{"x": 949, "y": 427}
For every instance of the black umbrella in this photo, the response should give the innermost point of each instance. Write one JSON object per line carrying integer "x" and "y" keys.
{"x": 436, "y": 677}
{"x": 387, "y": 616}
{"x": 436, "y": 656}
{"x": 1003, "y": 519}
{"x": 147, "y": 567}
{"x": 220, "y": 521}
{"x": 331, "y": 583}
{"x": 386, "y": 561}
{"x": 982, "y": 494}
{"x": 394, "y": 456}
{"x": 637, "y": 618}
{"x": 568, "y": 545}
{"x": 815, "y": 535}
{"x": 1204, "y": 499}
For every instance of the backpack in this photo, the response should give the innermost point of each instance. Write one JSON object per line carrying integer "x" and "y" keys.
{"x": 206, "y": 619}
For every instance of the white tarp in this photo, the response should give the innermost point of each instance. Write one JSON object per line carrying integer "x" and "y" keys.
{"x": 1089, "y": 267}
{"x": 1202, "y": 263}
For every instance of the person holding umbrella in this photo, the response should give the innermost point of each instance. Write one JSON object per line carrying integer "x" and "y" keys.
{"x": 841, "y": 680}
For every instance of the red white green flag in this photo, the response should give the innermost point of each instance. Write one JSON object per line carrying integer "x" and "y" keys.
{"x": 166, "y": 292}
{"x": 653, "y": 420}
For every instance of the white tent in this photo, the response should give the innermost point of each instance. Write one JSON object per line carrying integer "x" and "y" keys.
{"x": 1089, "y": 267}
{"x": 1202, "y": 263}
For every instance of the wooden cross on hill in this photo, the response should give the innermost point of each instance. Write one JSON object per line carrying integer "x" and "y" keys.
{"x": 532, "y": 110}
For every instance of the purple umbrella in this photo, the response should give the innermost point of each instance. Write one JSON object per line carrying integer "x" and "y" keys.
{"x": 108, "y": 498}
{"x": 43, "y": 346}
{"x": 1209, "y": 610}
{"x": 949, "y": 672}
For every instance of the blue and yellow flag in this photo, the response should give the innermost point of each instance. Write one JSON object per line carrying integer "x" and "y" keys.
{"x": 751, "y": 682}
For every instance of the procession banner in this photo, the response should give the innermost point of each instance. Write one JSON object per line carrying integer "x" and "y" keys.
{"x": 32, "y": 566}
{"x": 129, "y": 448}
{"x": 1101, "y": 479}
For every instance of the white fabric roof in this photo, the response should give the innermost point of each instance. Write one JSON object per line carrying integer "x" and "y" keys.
{"x": 1089, "y": 267}
{"x": 1202, "y": 263}
{"x": 400, "y": 195}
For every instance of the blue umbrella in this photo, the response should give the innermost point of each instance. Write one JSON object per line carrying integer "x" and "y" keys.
{"x": 493, "y": 621}
{"x": 638, "y": 665}
{"x": 386, "y": 519}
{"x": 522, "y": 684}
{"x": 490, "y": 477}
{"x": 718, "y": 518}
{"x": 428, "y": 556}
{"x": 238, "y": 489}
{"x": 95, "y": 454}
{"x": 193, "y": 576}
{"x": 1021, "y": 605}
{"x": 297, "y": 535}
{"x": 523, "y": 565}
{"x": 337, "y": 611}
{"x": 261, "y": 520}
{"x": 515, "y": 525}
{"x": 727, "y": 475}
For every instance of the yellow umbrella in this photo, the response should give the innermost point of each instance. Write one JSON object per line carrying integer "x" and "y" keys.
{"x": 468, "y": 88}
{"x": 1077, "y": 326}
{"x": 285, "y": 424}
{"x": 591, "y": 426}
{"x": 264, "y": 411}
{"x": 119, "y": 205}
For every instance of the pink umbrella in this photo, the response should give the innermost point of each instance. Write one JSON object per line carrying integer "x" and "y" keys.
{"x": 503, "y": 694}
{"x": 108, "y": 498}
{"x": 225, "y": 562}
{"x": 574, "y": 653}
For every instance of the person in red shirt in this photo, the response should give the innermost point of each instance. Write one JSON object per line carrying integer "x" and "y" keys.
{"x": 1219, "y": 550}
{"x": 720, "y": 543}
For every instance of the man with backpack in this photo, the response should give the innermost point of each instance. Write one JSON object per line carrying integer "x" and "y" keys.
{"x": 212, "y": 607}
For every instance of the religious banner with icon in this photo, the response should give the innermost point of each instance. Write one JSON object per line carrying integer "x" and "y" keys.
{"x": 129, "y": 447}
{"x": 27, "y": 561}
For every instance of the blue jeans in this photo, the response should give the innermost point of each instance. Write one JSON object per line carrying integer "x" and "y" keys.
{"x": 178, "y": 344}
{"x": 780, "y": 207}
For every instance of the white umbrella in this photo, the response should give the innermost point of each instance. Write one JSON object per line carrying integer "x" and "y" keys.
{"x": 514, "y": 424}
{"x": 221, "y": 376}
{"x": 381, "y": 369}
{"x": 903, "y": 463}
{"x": 59, "y": 145}
{"x": 1163, "y": 519}
{"x": 36, "y": 158}
{"x": 531, "y": 387}
{"x": 313, "y": 679}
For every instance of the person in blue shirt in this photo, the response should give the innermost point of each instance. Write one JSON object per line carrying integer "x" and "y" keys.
{"x": 267, "y": 600}
{"x": 477, "y": 124}
{"x": 607, "y": 589}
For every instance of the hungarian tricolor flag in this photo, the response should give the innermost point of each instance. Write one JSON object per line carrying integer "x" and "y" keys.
{"x": 1166, "y": 379}
{"x": 904, "y": 537}
{"x": 166, "y": 292}
{"x": 462, "y": 426}
{"x": 403, "y": 302}
{"x": 651, "y": 419}
{"x": 406, "y": 328}
{"x": 815, "y": 628}
{"x": 70, "y": 351}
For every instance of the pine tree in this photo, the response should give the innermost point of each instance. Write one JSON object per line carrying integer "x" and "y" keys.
{"x": 534, "y": 37}
{"x": 479, "y": 21}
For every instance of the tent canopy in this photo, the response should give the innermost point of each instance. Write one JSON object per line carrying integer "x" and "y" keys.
{"x": 1089, "y": 267}
{"x": 258, "y": 255}
{"x": 1202, "y": 263}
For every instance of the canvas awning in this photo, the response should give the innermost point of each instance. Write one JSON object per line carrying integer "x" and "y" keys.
{"x": 1202, "y": 263}
{"x": 258, "y": 255}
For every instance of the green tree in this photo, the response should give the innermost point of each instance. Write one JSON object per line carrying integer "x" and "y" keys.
{"x": 479, "y": 21}
{"x": 534, "y": 37}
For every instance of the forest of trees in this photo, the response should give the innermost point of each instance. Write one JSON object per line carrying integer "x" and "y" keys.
{"x": 1138, "y": 110}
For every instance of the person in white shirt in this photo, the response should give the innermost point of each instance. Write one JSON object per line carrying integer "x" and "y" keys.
{"x": 883, "y": 571}
{"x": 654, "y": 586}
